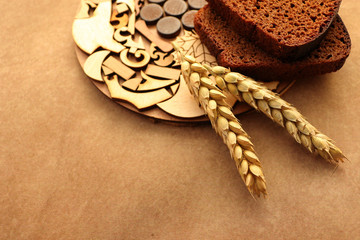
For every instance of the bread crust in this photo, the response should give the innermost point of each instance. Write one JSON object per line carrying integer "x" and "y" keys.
{"x": 238, "y": 53}
{"x": 276, "y": 34}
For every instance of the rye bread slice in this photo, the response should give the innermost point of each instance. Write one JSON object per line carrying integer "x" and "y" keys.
{"x": 287, "y": 29}
{"x": 232, "y": 50}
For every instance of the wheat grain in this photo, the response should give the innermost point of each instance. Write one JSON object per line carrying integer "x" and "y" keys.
{"x": 280, "y": 111}
{"x": 212, "y": 100}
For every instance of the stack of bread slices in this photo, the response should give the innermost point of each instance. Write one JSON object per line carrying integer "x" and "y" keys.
{"x": 275, "y": 39}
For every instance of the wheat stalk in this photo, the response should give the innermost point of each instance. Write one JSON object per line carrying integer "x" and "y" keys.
{"x": 259, "y": 97}
{"x": 212, "y": 100}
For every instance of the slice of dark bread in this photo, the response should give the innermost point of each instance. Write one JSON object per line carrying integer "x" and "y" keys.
{"x": 287, "y": 29}
{"x": 232, "y": 50}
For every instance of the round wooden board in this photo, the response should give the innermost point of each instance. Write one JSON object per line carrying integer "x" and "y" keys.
{"x": 157, "y": 114}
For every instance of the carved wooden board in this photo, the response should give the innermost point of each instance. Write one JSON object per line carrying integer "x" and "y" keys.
{"x": 133, "y": 65}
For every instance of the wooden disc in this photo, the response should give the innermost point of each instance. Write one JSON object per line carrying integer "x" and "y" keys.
{"x": 196, "y": 4}
{"x": 168, "y": 27}
{"x": 188, "y": 20}
{"x": 175, "y": 8}
{"x": 151, "y": 13}
{"x": 157, "y": 114}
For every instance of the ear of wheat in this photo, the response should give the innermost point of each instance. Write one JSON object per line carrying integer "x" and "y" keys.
{"x": 212, "y": 100}
{"x": 260, "y": 98}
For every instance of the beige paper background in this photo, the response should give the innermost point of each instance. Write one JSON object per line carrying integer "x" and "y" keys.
{"x": 75, "y": 165}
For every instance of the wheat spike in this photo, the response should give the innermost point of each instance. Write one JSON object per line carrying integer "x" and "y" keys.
{"x": 212, "y": 100}
{"x": 259, "y": 97}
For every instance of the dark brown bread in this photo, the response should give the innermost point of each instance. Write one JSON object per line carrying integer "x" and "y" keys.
{"x": 236, "y": 52}
{"x": 287, "y": 29}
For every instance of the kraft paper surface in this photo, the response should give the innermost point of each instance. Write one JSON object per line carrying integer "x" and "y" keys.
{"x": 75, "y": 165}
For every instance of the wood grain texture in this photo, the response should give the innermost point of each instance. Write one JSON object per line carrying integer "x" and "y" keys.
{"x": 153, "y": 83}
{"x": 121, "y": 36}
{"x": 176, "y": 105}
{"x": 94, "y": 32}
{"x": 84, "y": 9}
{"x": 160, "y": 58}
{"x": 106, "y": 70}
{"x": 174, "y": 88}
{"x": 132, "y": 16}
{"x": 119, "y": 21}
{"x": 139, "y": 54}
{"x": 122, "y": 8}
{"x": 119, "y": 68}
{"x": 92, "y": 66}
{"x": 140, "y": 100}
{"x": 164, "y": 45}
{"x": 152, "y": 113}
{"x": 163, "y": 72}
{"x": 132, "y": 84}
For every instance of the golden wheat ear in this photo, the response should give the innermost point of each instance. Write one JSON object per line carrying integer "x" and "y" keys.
{"x": 212, "y": 100}
{"x": 247, "y": 90}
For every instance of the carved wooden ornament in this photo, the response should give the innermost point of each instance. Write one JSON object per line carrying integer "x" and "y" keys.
{"x": 140, "y": 100}
{"x": 161, "y": 58}
{"x": 139, "y": 54}
{"x": 130, "y": 62}
{"x": 93, "y": 64}
{"x": 96, "y": 31}
{"x": 119, "y": 68}
{"x": 182, "y": 104}
{"x": 83, "y": 12}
